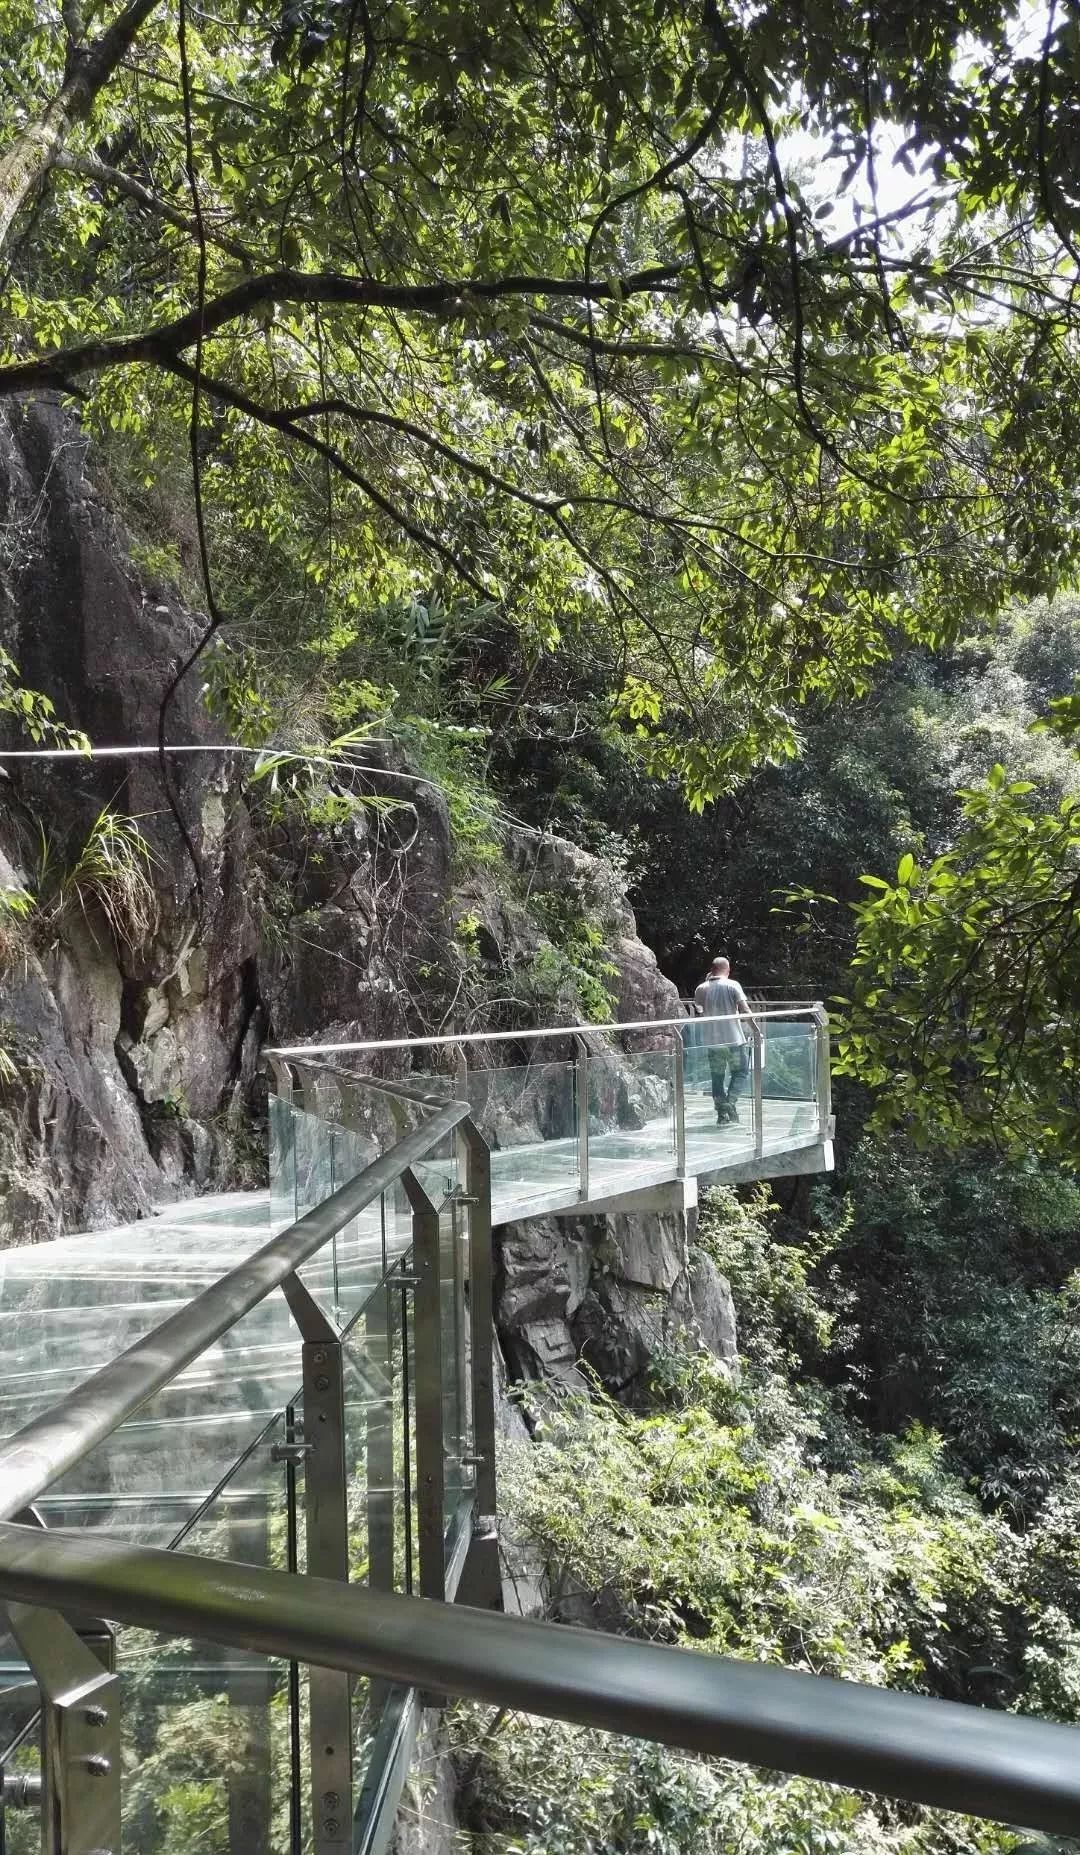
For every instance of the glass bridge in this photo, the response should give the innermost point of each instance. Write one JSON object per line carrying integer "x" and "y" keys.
{"x": 241, "y": 1439}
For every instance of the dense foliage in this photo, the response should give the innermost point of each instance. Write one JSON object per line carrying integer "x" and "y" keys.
{"x": 967, "y": 977}
{"x": 763, "y": 1516}
{"x": 702, "y": 351}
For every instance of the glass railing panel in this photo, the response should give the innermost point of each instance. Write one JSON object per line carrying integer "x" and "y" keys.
{"x": 282, "y": 1128}
{"x": 206, "y": 1751}
{"x": 631, "y": 1119}
{"x": 789, "y": 1082}
{"x": 314, "y": 1147}
{"x": 212, "y": 1736}
{"x": 343, "y": 1273}
{"x": 718, "y": 1097}
{"x": 528, "y": 1116}
{"x": 160, "y": 1464}
{"x": 379, "y": 1372}
{"x": 384, "y": 1535}
{"x": 336, "y": 1126}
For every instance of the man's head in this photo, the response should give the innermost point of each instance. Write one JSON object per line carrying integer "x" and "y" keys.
{"x": 720, "y": 967}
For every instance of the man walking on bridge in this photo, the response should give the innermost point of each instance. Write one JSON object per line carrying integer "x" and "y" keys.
{"x": 721, "y": 998}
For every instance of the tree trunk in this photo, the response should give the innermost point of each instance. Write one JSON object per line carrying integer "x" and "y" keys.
{"x": 25, "y": 164}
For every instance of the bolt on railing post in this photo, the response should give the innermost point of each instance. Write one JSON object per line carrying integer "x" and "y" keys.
{"x": 679, "y": 1080}
{"x": 80, "y": 1735}
{"x": 823, "y": 1073}
{"x": 428, "y": 1390}
{"x": 758, "y": 1053}
{"x": 326, "y": 1515}
{"x": 581, "y": 1077}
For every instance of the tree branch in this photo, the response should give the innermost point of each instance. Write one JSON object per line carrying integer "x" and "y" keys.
{"x": 450, "y": 300}
{"x": 71, "y": 13}
{"x": 281, "y": 421}
{"x": 25, "y": 164}
{"x": 91, "y": 169}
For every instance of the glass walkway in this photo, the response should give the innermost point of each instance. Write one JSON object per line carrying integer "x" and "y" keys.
{"x": 628, "y": 1109}
{"x": 218, "y": 1460}
{"x": 241, "y": 1439}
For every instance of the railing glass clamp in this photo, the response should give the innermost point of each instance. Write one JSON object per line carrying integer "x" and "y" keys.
{"x": 293, "y": 1453}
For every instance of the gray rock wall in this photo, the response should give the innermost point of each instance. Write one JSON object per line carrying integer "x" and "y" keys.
{"x": 606, "y": 1294}
{"x": 138, "y": 1060}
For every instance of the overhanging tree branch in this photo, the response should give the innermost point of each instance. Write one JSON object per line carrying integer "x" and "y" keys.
{"x": 450, "y": 300}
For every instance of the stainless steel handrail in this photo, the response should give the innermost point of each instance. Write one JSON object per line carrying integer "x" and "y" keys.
{"x": 313, "y": 1050}
{"x": 44, "y": 1450}
{"x": 933, "y": 1752}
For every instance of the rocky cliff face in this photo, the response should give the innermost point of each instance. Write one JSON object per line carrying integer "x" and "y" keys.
{"x": 137, "y": 1051}
{"x": 608, "y": 1294}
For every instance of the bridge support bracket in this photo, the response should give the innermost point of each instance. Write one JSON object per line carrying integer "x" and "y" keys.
{"x": 80, "y": 1735}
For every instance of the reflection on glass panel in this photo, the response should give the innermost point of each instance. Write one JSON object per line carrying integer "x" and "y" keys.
{"x": 631, "y": 1119}
{"x": 206, "y": 1748}
{"x": 210, "y": 1732}
{"x": 528, "y": 1116}
{"x": 70, "y": 1306}
{"x": 790, "y": 1060}
{"x": 313, "y": 1146}
{"x": 198, "y": 1425}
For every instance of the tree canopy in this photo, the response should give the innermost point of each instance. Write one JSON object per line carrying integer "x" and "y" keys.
{"x": 711, "y": 348}
{"x": 964, "y": 1008}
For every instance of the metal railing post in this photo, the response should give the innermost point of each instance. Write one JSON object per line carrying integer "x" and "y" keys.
{"x": 379, "y": 1444}
{"x": 758, "y": 1088}
{"x": 679, "y": 1080}
{"x": 428, "y": 1390}
{"x": 581, "y": 1077}
{"x": 823, "y": 1073}
{"x": 481, "y": 1318}
{"x": 248, "y": 1783}
{"x": 326, "y": 1519}
{"x": 80, "y": 1735}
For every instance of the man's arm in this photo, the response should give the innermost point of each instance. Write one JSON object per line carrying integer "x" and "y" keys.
{"x": 744, "y": 1008}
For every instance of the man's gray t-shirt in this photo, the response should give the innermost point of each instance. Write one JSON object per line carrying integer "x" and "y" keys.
{"x": 721, "y": 999}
